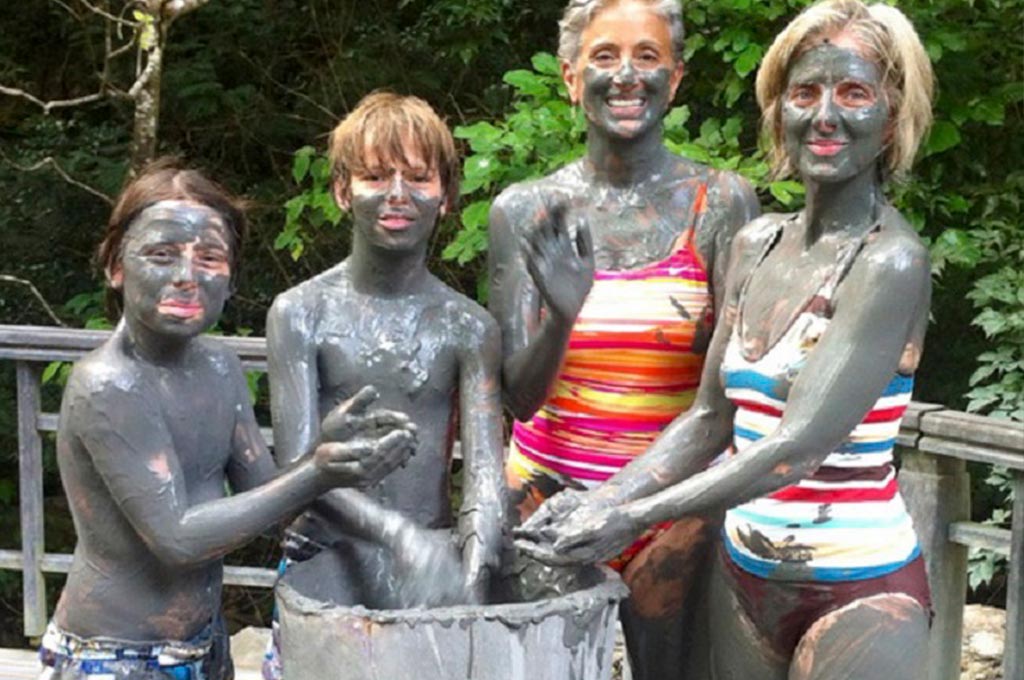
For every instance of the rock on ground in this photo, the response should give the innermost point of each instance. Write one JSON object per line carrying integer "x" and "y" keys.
{"x": 984, "y": 643}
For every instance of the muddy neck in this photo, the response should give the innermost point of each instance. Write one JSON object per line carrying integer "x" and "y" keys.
{"x": 625, "y": 162}
{"x": 152, "y": 347}
{"x": 847, "y": 207}
{"x": 382, "y": 271}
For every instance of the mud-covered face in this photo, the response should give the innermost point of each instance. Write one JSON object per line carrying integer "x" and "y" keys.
{"x": 175, "y": 270}
{"x": 395, "y": 203}
{"x": 835, "y": 117}
{"x": 626, "y": 74}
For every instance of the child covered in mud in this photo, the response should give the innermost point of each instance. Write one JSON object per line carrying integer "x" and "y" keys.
{"x": 154, "y": 425}
{"x": 380, "y": 317}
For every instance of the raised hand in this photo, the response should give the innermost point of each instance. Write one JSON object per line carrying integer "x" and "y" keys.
{"x": 561, "y": 267}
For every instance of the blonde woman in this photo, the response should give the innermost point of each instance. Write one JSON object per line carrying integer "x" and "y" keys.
{"x": 811, "y": 366}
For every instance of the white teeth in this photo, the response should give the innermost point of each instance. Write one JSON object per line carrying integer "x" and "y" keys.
{"x": 626, "y": 102}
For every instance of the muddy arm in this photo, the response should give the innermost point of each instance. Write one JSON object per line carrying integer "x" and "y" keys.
{"x": 134, "y": 454}
{"x": 251, "y": 464}
{"x": 292, "y": 371}
{"x": 886, "y": 292}
{"x": 481, "y": 517}
{"x": 732, "y": 203}
{"x": 532, "y": 348}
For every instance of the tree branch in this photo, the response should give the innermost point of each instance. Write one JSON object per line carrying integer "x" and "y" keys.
{"x": 152, "y": 64}
{"x": 52, "y": 162}
{"x": 331, "y": 115}
{"x": 35, "y": 292}
{"x": 107, "y": 15}
{"x": 55, "y": 104}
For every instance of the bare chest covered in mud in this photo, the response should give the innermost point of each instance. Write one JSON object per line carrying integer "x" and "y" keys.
{"x": 401, "y": 353}
{"x": 199, "y": 412}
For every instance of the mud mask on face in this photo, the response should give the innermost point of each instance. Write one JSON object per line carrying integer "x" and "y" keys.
{"x": 835, "y": 116}
{"x": 395, "y": 224}
{"x": 627, "y": 101}
{"x": 175, "y": 271}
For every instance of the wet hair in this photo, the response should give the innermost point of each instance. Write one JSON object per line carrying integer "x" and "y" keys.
{"x": 579, "y": 13}
{"x": 387, "y": 121}
{"x": 884, "y": 35}
{"x": 167, "y": 180}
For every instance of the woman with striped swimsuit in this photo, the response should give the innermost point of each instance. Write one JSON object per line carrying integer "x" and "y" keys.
{"x": 604, "y": 277}
{"x": 809, "y": 371}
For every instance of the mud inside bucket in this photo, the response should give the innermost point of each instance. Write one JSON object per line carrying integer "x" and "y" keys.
{"x": 562, "y": 637}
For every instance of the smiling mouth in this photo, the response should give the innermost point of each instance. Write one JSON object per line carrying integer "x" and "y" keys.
{"x": 825, "y": 147}
{"x": 180, "y": 309}
{"x": 395, "y": 221}
{"x": 626, "y": 107}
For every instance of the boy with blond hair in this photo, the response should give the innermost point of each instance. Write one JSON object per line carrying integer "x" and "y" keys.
{"x": 381, "y": 318}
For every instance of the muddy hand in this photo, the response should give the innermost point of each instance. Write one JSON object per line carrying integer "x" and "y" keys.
{"x": 364, "y": 462}
{"x": 542, "y": 551}
{"x": 594, "y": 535}
{"x": 353, "y": 419}
{"x": 552, "y": 511}
{"x": 561, "y": 267}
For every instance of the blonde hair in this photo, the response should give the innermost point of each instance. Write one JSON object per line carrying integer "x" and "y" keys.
{"x": 888, "y": 38}
{"x": 579, "y": 13}
{"x": 388, "y": 121}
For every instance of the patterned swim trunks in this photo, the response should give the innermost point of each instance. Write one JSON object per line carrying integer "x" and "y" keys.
{"x": 68, "y": 657}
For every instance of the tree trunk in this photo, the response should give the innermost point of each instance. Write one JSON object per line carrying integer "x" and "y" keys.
{"x": 147, "y": 109}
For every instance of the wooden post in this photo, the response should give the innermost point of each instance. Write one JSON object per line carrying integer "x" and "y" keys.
{"x": 30, "y": 491}
{"x": 1013, "y": 659}
{"x": 938, "y": 493}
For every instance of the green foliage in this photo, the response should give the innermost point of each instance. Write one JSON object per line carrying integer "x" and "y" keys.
{"x": 542, "y": 132}
{"x": 313, "y": 207}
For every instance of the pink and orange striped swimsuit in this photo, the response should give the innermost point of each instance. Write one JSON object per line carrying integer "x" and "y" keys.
{"x": 630, "y": 369}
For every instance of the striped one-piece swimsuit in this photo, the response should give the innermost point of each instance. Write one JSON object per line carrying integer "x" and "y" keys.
{"x": 630, "y": 369}
{"x": 847, "y": 521}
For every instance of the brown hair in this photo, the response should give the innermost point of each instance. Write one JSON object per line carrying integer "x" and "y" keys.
{"x": 389, "y": 120}
{"x": 885, "y": 36}
{"x": 166, "y": 180}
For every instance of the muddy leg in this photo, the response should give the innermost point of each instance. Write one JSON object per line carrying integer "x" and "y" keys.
{"x": 884, "y": 636}
{"x": 738, "y": 650}
{"x": 659, "y": 619}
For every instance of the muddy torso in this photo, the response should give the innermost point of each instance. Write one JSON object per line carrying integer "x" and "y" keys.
{"x": 782, "y": 286}
{"x": 409, "y": 348}
{"x": 846, "y": 521}
{"x": 117, "y": 586}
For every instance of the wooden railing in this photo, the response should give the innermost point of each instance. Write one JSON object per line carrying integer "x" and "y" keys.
{"x": 935, "y": 445}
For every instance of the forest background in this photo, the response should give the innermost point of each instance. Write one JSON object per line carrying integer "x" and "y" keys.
{"x": 248, "y": 89}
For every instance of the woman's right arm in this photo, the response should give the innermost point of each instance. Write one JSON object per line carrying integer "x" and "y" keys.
{"x": 533, "y": 261}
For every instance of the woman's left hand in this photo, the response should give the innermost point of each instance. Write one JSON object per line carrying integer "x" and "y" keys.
{"x": 594, "y": 534}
